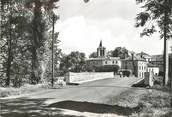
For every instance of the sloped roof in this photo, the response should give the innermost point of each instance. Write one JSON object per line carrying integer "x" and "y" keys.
{"x": 100, "y": 45}
{"x": 135, "y": 58}
{"x": 143, "y": 54}
{"x": 157, "y": 57}
{"x": 151, "y": 65}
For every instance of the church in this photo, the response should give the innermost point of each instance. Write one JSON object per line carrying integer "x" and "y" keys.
{"x": 103, "y": 63}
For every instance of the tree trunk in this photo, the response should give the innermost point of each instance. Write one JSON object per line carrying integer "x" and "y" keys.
{"x": 9, "y": 59}
{"x": 35, "y": 44}
{"x": 34, "y": 74}
{"x": 8, "y": 62}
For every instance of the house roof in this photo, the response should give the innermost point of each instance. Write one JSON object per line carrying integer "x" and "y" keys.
{"x": 157, "y": 57}
{"x": 151, "y": 65}
{"x": 135, "y": 58}
{"x": 144, "y": 55}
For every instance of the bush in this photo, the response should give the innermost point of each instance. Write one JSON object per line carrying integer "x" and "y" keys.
{"x": 161, "y": 73}
{"x": 158, "y": 80}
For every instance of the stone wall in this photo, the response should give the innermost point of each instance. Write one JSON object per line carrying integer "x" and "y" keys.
{"x": 86, "y": 76}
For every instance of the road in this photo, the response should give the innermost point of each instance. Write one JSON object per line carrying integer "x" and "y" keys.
{"x": 90, "y": 97}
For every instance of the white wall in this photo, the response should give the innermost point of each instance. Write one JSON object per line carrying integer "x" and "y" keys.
{"x": 87, "y": 76}
{"x": 155, "y": 70}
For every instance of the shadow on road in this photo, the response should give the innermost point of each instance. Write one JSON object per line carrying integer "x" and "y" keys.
{"x": 36, "y": 107}
{"x": 139, "y": 84}
{"x": 95, "y": 107}
{"x": 29, "y": 107}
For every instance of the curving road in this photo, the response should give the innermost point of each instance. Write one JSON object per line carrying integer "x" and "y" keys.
{"x": 90, "y": 97}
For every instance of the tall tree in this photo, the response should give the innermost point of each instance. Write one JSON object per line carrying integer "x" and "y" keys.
{"x": 93, "y": 55}
{"x": 25, "y": 36}
{"x": 10, "y": 15}
{"x": 157, "y": 17}
{"x": 39, "y": 28}
{"x": 74, "y": 62}
{"x": 121, "y": 52}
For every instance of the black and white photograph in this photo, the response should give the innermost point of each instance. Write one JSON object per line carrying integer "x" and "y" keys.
{"x": 85, "y": 58}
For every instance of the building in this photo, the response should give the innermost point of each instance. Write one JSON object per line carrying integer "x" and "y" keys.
{"x": 153, "y": 69}
{"x": 157, "y": 60}
{"x": 136, "y": 64}
{"x": 103, "y": 63}
{"x": 145, "y": 56}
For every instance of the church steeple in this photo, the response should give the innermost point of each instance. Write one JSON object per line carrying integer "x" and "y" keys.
{"x": 100, "y": 45}
{"x": 101, "y": 51}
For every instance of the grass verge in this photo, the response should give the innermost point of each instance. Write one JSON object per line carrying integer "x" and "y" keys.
{"x": 27, "y": 88}
{"x": 153, "y": 102}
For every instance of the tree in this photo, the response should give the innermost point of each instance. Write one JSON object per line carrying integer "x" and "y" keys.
{"x": 74, "y": 62}
{"x": 157, "y": 17}
{"x": 25, "y": 38}
{"x": 121, "y": 52}
{"x": 11, "y": 16}
{"x": 86, "y": 1}
{"x": 93, "y": 55}
{"x": 40, "y": 26}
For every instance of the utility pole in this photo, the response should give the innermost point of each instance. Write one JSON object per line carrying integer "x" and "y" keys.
{"x": 171, "y": 70}
{"x": 165, "y": 79}
{"x": 52, "y": 80}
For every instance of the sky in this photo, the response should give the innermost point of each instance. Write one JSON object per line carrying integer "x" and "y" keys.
{"x": 83, "y": 25}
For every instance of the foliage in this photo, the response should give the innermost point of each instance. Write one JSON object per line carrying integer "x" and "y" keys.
{"x": 153, "y": 18}
{"x": 93, "y": 55}
{"x": 26, "y": 40}
{"x": 74, "y": 62}
{"x": 121, "y": 52}
{"x": 157, "y": 16}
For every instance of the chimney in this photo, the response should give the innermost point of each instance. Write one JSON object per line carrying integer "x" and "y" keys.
{"x": 141, "y": 55}
{"x": 132, "y": 55}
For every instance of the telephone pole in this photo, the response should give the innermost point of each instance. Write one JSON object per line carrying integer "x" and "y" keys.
{"x": 166, "y": 62}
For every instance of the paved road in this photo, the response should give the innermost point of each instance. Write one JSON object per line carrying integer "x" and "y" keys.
{"x": 90, "y": 97}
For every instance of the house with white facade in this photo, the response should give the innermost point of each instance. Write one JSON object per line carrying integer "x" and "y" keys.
{"x": 136, "y": 64}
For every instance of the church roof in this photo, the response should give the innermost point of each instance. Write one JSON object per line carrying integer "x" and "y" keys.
{"x": 100, "y": 45}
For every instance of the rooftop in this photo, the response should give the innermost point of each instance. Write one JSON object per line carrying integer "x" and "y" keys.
{"x": 135, "y": 58}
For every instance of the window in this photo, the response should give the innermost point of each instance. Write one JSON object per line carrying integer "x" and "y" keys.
{"x": 139, "y": 67}
{"x": 140, "y": 74}
{"x": 105, "y": 62}
{"x": 113, "y": 62}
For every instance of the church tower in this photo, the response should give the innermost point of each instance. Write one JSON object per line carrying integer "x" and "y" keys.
{"x": 101, "y": 51}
